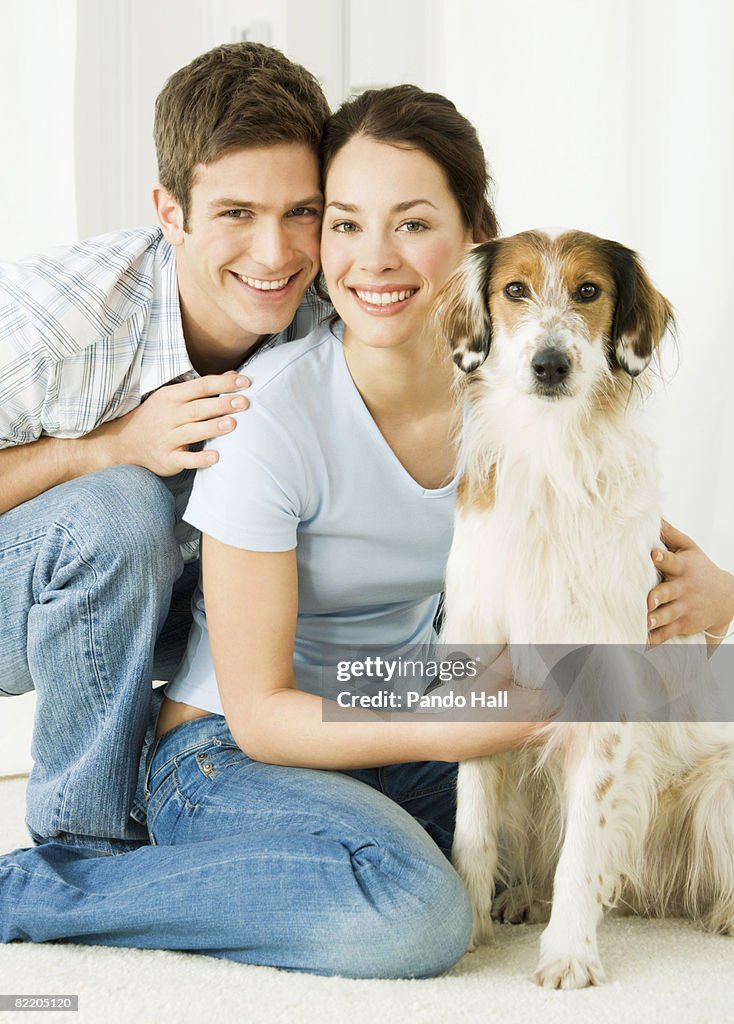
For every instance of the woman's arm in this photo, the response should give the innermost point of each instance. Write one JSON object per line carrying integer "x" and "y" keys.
{"x": 275, "y": 722}
{"x": 694, "y": 596}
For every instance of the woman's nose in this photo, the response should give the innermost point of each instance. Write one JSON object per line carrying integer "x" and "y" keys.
{"x": 378, "y": 253}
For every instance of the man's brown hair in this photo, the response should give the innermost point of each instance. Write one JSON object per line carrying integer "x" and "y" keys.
{"x": 234, "y": 96}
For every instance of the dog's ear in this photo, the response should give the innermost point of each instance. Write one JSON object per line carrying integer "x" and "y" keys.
{"x": 641, "y": 316}
{"x": 462, "y": 307}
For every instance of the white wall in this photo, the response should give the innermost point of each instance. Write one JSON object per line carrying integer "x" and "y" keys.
{"x": 16, "y": 719}
{"x": 37, "y": 54}
{"x": 126, "y": 51}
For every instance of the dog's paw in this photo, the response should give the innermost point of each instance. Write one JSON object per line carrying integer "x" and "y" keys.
{"x": 568, "y": 972}
{"x": 516, "y": 906}
{"x": 482, "y": 932}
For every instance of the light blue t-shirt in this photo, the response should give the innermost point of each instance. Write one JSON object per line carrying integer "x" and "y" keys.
{"x": 308, "y": 468}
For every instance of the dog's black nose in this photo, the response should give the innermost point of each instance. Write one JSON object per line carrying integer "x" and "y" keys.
{"x": 550, "y": 366}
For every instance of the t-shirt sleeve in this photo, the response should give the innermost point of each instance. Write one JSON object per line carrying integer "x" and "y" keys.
{"x": 255, "y": 495}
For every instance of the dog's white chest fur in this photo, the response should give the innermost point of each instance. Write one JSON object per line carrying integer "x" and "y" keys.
{"x": 559, "y": 546}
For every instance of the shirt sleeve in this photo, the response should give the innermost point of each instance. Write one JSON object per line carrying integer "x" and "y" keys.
{"x": 256, "y": 494}
{"x": 24, "y": 374}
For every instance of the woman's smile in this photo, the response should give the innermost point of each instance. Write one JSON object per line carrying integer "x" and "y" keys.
{"x": 383, "y": 299}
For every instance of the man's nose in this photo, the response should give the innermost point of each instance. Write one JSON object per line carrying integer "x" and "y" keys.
{"x": 271, "y": 246}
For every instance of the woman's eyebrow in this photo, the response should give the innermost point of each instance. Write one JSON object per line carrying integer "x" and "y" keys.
{"x": 407, "y": 204}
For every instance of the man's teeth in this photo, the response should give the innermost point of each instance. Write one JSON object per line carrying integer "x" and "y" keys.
{"x": 384, "y": 298}
{"x": 264, "y": 286}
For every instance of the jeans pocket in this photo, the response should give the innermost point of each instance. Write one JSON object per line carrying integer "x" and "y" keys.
{"x": 201, "y": 772}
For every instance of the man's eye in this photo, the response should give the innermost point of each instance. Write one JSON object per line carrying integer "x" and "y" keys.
{"x": 304, "y": 211}
{"x": 236, "y": 214}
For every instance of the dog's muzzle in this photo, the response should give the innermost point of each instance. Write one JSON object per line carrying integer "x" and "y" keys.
{"x": 551, "y": 370}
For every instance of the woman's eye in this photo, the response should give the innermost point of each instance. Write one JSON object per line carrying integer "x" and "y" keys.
{"x": 413, "y": 226}
{"x": 516, "y": 290}
{"x": 587, "y": 291}
{"x": 347, "y": 227}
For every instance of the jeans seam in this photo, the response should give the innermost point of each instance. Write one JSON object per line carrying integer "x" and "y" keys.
{"x": 11, "y": 548}
{"x": 413, "y": 794}
{"x": 158, "y": 799}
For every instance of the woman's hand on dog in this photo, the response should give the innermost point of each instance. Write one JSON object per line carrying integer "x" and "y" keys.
{"x": 695, "y": 594}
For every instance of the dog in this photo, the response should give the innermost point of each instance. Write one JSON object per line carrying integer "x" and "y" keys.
{"x": 557, "y": 513}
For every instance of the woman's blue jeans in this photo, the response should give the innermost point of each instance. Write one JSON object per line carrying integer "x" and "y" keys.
{"x": 319, "y": 871}
{"x": 309, "y": 870}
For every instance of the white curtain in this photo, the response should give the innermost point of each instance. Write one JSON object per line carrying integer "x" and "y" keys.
{"x": 617, "y": 117}
{"x": 37, "y": 54}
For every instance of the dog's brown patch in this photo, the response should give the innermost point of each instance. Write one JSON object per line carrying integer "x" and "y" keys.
{"x": 603, "y": 787}
{"x": 476, "y": 493}
{"x": 519, "y": 258}
{"x": 602, "y": 821}
{"x": 580, "y": 258}
{"x": 609, "y": 745}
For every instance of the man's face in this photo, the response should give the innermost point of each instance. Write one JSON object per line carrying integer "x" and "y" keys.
{"x": 251, "y": 249}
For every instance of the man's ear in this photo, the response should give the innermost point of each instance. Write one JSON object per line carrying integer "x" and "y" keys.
{"x": 170, "y": 215}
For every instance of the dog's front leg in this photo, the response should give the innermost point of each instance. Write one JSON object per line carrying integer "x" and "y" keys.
{"x": 596, "y": 847}
{"x": 475, "y": 852}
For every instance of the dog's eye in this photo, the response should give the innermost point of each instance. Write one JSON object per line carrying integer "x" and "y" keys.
{"x": 587, "y": 291}
{"x": 516, "y": 290}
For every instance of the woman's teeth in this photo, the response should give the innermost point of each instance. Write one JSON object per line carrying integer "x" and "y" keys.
{"x": 384, "y": 298}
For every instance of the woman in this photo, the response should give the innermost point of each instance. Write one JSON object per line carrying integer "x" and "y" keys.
{"x": 326, "y": 524}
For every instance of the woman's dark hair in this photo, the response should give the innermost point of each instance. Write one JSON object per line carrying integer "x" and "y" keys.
{"x": 404, "y": 115}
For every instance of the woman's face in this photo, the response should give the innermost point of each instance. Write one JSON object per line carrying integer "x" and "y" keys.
{"x": 392, "y": 234}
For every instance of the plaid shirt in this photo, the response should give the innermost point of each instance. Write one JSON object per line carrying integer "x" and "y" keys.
{"x": 87, "y": 332}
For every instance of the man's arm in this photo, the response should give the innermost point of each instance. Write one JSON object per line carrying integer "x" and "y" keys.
{"x": 695, "y": 594}
{"x": 156, "y": 436}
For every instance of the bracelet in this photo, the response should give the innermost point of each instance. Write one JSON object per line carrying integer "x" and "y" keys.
{"x": 715, "y": 636}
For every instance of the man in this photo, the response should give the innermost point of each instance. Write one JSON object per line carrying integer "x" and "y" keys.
{"x": 118, "y": 358}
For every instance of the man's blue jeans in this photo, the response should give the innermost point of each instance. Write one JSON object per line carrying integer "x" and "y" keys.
{"x": 319, "y": 871}
{"x": 86, "y": 574}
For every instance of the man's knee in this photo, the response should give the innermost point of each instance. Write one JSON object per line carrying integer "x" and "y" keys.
{"x": 127, "y": 513}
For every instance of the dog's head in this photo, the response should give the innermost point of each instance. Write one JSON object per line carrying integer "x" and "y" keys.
{"x": 559, "y": 311}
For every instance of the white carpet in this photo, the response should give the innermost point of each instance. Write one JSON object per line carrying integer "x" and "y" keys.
{"x": 659, "y": 971}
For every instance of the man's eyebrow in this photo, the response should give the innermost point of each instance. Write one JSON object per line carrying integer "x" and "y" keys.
{"x": 408, "y": 204}
{"x": 231, "y": 204}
